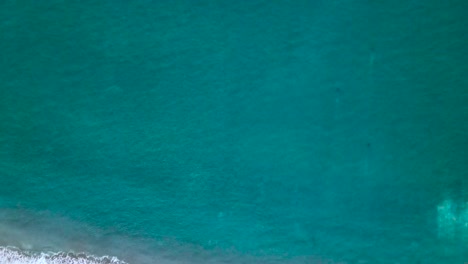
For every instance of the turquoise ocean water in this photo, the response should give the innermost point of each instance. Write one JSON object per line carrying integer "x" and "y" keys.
{"x": 233, "y": 131}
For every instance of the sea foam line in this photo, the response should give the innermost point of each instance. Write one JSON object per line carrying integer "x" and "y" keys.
{"x": 13, "y": 255}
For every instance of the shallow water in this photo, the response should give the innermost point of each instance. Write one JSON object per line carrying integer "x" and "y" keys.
{"x": 256, "y": 132}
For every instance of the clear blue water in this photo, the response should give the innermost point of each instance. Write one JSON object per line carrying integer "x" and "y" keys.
{"x": 234, "y": 131}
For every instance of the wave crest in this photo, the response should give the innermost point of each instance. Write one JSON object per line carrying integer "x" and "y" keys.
{"x": 12, "y": 255}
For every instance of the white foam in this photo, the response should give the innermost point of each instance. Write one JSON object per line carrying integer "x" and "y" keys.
{"x": 12, "y": 255}
{"x": 452, "y": 220}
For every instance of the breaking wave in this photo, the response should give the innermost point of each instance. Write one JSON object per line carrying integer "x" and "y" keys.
{"x": 13, "y": 255}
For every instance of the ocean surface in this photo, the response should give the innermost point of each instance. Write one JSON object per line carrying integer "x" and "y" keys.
{"x": 169, "y": 132}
